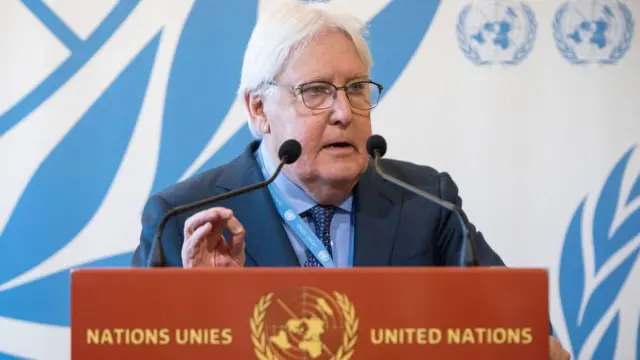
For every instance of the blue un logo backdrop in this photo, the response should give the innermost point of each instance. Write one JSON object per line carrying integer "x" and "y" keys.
{"x": 67, "y": 189}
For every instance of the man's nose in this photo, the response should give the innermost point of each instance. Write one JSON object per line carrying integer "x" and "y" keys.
{"x": 341, "y": 110}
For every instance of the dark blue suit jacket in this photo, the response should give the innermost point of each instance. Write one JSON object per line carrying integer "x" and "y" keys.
{"x": 393, "y": 227}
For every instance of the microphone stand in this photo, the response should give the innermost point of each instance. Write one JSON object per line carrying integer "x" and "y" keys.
{"x": 468, "y": 256}
{"x": 157, "y": 241}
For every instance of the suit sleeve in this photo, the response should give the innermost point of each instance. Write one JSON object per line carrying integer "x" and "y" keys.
{"x": 450, "y": 242}
{"x": 154, "y": 210}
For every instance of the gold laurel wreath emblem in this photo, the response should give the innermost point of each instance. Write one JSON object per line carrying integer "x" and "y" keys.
{"x": 259, "y": 336}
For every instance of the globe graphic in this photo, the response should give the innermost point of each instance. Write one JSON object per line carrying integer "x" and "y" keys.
{"x": 592, "y": 25}
{"x": 305, "y": 323}
{"x": 496, "y": 29}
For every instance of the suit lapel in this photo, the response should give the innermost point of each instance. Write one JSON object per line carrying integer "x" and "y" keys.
{"x": 378, "y": 206}
{"x": 266, "y": 240}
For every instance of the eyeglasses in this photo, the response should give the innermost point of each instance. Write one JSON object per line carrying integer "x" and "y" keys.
{"x": 320, "y": 95}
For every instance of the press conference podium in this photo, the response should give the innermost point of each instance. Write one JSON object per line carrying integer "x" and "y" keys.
{"x": 297, "y": 313}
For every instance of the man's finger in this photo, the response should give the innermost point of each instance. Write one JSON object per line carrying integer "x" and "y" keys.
{"x": 216, "y": 241}
{"x": 236, "y": 242}
{"x": 194, "y": 242}
{"x": 212, "y": 215}
{"x": 199, "y": 219}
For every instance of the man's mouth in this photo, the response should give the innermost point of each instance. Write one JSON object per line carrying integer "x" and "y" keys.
{"x": 338, "y": 145}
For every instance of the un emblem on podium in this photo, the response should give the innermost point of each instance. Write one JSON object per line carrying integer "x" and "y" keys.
{"x": 593, "y": 31}
{"x": 306, "y": 323}
{"x": 496, "y": 32}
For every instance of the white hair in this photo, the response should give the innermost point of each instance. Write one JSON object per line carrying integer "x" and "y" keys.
{"x": 283, "y": 31}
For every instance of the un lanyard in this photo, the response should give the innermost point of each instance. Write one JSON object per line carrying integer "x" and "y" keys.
{"x": 304, "y": 233}
{"x": 302, "y": 230}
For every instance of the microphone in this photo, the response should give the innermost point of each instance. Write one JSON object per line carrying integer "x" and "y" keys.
{"x": 377, "y": 147}
{"x": 288, "y": 153}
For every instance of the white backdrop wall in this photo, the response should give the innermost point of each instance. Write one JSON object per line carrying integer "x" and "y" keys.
{"x": 532, "y": 107}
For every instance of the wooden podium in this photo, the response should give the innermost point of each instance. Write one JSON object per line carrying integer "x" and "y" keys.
{"x": 313, "y": 314}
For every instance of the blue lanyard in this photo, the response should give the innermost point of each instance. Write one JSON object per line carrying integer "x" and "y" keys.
{"x": 300, "y": 228}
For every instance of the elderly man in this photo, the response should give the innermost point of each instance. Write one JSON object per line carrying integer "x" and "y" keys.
{"x": 306, "y": 77}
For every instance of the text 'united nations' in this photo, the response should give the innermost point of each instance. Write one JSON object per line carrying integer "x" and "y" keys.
{"x": 461, "y": 336}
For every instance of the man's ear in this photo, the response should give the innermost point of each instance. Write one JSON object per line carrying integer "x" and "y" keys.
{"x": 255, "y": 106}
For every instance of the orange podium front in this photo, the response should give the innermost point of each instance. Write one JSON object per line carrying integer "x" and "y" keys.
{"x": 297, "y": 313}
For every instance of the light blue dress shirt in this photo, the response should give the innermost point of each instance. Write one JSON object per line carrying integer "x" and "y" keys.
{"x": 300, "y": 201}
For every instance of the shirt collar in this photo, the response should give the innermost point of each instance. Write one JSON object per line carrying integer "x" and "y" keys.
{"x": 297, "y": 198}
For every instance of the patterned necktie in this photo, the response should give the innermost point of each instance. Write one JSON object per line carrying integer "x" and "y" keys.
{"x": 321, "y": 216}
